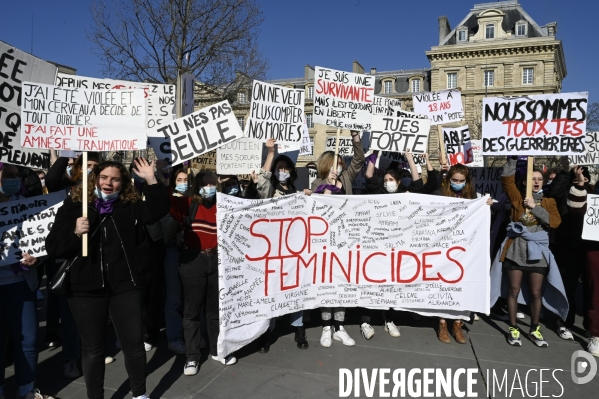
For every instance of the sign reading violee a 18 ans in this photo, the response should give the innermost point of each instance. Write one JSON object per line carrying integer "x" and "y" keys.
{"x": 546, "y": 124}
{"x": 286, "y": 254}
{"x": 439, "y": 106}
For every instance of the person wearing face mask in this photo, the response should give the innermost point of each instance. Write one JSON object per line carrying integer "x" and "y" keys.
{"x": 525, "y": 255}
{"x": 66, "y": 172}
{"x": 109, "y": 280}
{"x": 277, "y": 178}
{"x": 199, "y": 269}
{"x": 230, "y": 185}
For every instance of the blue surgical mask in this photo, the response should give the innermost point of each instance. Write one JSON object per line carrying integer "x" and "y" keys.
{"x": 10, "y": 186}
{"x": 405, "y": 181}
{"x": 232, "y": 190}
{"x": 457, "y": 186}
{"x": 181, "y": 187}
{"x": 208, "y": 192}
{"x": 69, "y": 170}
{"x": 89, "y": 171}
{"x": 106, "y": 197}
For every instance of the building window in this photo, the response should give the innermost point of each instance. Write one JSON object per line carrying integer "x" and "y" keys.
{"x": 310, "y": 92}
{"x": 309, "y": 121}
{"x": 387, "y": 88}
{"x": 240, "y": 97}
{"x": 527, "y": 76}
{"x": 462, "y": 35}
{"x": 416, "y": 86}
{"x": 452, "y": 80}
{"x": 311, "y": 145}
{"x": 489, "y": 78}
{"x": 241, "y": 122}
{"x": 521, "y": 29}
{"x": 490, "y": 31}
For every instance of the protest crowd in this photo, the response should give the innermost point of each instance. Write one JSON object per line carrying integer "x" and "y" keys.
{"x": 149, "y": 248}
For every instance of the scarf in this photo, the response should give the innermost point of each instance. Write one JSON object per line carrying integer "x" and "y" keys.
{"x": 105, "y": 207}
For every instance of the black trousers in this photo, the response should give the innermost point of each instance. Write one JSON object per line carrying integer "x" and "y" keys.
{"x": 571, "y": 264}
{"x": 91, "y": 313}
{"x": 200, "y": 289}
{"x": 153, "y": 297}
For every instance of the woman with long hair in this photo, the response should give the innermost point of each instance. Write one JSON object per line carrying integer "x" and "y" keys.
{"x": 68, "y": 172}
{"x": 108, "y": 280}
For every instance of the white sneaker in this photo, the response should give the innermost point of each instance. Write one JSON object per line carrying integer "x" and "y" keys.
{"x": 392, "y": 329}
{"x": 148, "y": 347}
{"x": 344, "y": 337}
{"x": 519, "y": 316}
{"x": 109, "y": 359}
{"x": 142, "y": 397}
{"x": 367, "y": 331}
{"x": 191, "y": 368}
{"x": 593, "y": 347}
{"x": 70, "y": 370}
{"x": 476, "y": 318}
{"x": 325, "y": 338}
{"x": 227, "y": 361}
{"x": 564, "y": 333}
{"x": 178, "y": 347}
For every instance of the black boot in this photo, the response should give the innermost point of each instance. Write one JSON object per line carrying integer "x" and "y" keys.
{"x": 264, "y": 342}
{"x": 300, "y": 338}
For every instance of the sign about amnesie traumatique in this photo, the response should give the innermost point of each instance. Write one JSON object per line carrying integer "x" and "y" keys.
{"x": 296, "y": 252}
{"x": 343, "y": 99}
{"x": 547, "y": 124}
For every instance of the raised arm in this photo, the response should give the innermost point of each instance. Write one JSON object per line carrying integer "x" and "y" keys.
{"x": 508, "y": 182}
{"x": 413, "y": 169}
{"x": 370, "y": 163}
{"x": 358, "y": 158}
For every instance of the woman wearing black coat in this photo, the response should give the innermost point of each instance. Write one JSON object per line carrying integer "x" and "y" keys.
{"x": 108, "y": 280}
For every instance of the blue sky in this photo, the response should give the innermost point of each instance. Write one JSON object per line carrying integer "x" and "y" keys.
{"x": 386, "y": 34}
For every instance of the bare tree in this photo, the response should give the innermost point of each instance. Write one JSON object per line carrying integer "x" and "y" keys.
{"x": 154, "y": 40}
{"x": 593, "y": 117}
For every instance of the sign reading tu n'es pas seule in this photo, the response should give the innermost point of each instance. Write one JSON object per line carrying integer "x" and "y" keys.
{"x": 82, "y": 120}
{"x": 546, "y": 124}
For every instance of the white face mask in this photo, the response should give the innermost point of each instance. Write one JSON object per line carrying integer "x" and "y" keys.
{"x": 339, "y": 169}
{"x": 391, "y": 186}
{"x": 282, "y": 176}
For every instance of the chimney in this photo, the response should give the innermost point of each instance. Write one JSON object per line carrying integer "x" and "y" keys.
{"x": 444, "y": 28}
{"x": 308, "y": 72}
{"x": 372, "y": 71}
{"x": 356, "y": 67}
{"x": 552, "y": 28}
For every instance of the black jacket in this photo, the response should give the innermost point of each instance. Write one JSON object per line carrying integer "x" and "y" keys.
{"x": 56, "y": 179}
{"x": 127, "y": 222}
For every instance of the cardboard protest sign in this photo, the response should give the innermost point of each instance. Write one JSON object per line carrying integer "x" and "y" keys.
{"x": 306, "y": 145}
{"x": 25, "y": 223}
{"x": 477, "y": 154}
{"x": 390, "y": 133}
{"x": 343, "y": 99}
{"x": 205, "y": 161}
{"x": 545, "y": 124}
{"x": 275, "y": 113}
{"x": 386, "y": 158}
{"x": 487, "y": 181}
{"x": 439, "y": 106}
{"x": 60, "y": 118}
{"x": 385, "y": 106}
{"x": 457, "y": 145}
{"x": 592, "y": 155}
{"x": 200, "y": 132}
{"x": 283, "y": 255}
{"x": 239, "y": 157}
{"x": 590, "y": 228}
{"x": 16, "y": 67}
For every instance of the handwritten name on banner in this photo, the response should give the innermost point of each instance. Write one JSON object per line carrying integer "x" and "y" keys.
{"x": 439, "y": 106}
{"x": 297, "y": 252}
{"x": 590, "y": 228}
{"x": 547, "y": 124}
{"x": 59, "y": 118}
{"x": 458, "y": 145}
{"x": 343, "y": 99}
{"x": 390, "y": 133}
{"x": 239, "y": 157}
{"x": 16, "y": 67}
{"x": 592, "y": 155}
{"x": 200, "y": 132}
{"x": 25, "y": 223}
{"x": 275, "y": 113}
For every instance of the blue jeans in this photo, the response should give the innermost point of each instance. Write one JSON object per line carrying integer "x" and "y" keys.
{"x": 172, "y": 305}
{"x": 18, "y": 314}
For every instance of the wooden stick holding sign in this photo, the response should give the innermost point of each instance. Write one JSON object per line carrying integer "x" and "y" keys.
{"x": 84, "y": 200}
{"x": 529, "y": 168}
{"x": 442, "y": 155}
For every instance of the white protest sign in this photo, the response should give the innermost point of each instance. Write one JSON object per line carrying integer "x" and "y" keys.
{"x": 592, "y": 155}
{"x": 25, "y": 223}
{"x": 439, "y": 106}
{"x": 457, "y": 145}
{"x": 287, "y": 254}
{"x": 239, "y": 157}
{"x": 544, "y": 124}
{"x": 390, "y": 133}
{"x": 200, "y": 132}
{"x": 306, "y": 145}
{"x": 343, "y": 99}
{"x": 59, "y": 118}
{"x": 477, "y": 154}
{"x": 275, "y": 113}
{"x": 590, "y": 228}
{"x": 487, "y": 181}
{"x": 385, "y": 106}
{"x": 16, "y": 67}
